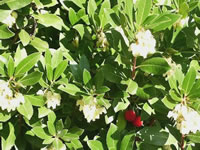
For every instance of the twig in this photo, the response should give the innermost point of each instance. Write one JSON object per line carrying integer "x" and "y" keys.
{"x": 182, "y": 142}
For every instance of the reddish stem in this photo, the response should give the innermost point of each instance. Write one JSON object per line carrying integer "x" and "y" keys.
{"x": 134, "y": 67}
{"x": 182, "y": 142}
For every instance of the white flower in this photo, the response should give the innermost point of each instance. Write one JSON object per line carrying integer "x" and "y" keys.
{"x": 9, "y": 100}
{"x": 145, "y": 44}
{"x": 186, "y": 119}
{"x": 91, "y": 111}
{"x": 10, "y": 20}
{"x": 53, "y": 99}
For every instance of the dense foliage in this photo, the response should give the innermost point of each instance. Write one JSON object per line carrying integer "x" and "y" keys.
{"x": 100, "y": 74}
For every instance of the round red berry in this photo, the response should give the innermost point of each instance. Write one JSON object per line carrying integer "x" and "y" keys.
{"x": 130, "y": 115}
{"x": 137, "y": 122}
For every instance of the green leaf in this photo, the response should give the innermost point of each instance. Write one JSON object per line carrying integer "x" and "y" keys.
{"x": 50, "y": 20}
{"x": 102, "y": 89}
{"x": 196, "y": 106}
{"x": 35, "y": 100}
{"x": 26, "y": 64}
{"x": 194, "y": 93}
{"x": 84, "y": 63}
{"x": 143, "y": 10}
{"x": 127, "y": 141}
{"x": 51, "y": 128}
{"x": 80, "y": 28}
{"x": 17, "y": 4}
{"x": 43, "y": 111}
{"x": 70, "y": 89}
{"x": 31, "y": 78}
{"x": 189, "y": 80}
{"x": 52, "y": 117}
{"x": 39, "y": 132}
{"x": 154, "y": 136}
{"x": 39, "y": 44}
{"x": 58, "y": 144}
{"x": 8, "y": 143}
{"x": 4, "y": 116}
{"x": 156, "y": 65}
{"x": 121, "y": 121}
{"x": 99, "y": 79}
{"x": 24, "y": 37}
{"x": 112, "y": 137}
{"x": 163, "y": 21}
{"x": 194, "y": 137}
{"x": 175, "y": 96}
{"x": 76, "y": 144}
{"x": 4, "y": 14}
{"x": 111, "y": 74}
{"x": 57, "y": 58}
{"x": 2, "y": 68}
{"x": 73, "y": 18}
{"x": 86, "y": 76}
{"x": 184, "y": 9}
{"x": 48, "y": 62}
{"x": 11, "y": 67}
{"x": 122, "y": 105}
{"x": 60, "y": 69}
{"x": 95, "y": 145}
{"x": 129, "y": 10}
{"x": 91, "y": 7}
{"x": 5, "y": 33}
{"x": 173, "y": 83}
{"x": 132, "y": 86}
{"x": 26, "y": 109}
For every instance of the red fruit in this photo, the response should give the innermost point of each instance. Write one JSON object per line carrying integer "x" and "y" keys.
{"x": 130, "y": 115}
{"x": 137, "y": 122}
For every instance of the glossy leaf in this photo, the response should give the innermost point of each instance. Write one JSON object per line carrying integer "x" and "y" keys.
{"x": 26, "y": 64}
{"x": 156, "y": 65}
{"x": 143, "y": 10}
{"x": 31, "y": 78}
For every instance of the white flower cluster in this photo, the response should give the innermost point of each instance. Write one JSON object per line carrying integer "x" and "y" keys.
{"x": 91, "y": 111}
{"x": 10, "y": 20}
{"x": 53, "y": 99}
{"x": 186, "y": 119}
{"x": 8, "y": 99}
{"x": 173, "y": 66}
{"x": 145, "y": 44}
{"x": 102, "y": 41}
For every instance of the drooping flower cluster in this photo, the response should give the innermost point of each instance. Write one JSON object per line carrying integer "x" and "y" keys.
{"x": 10, "y": 20}
{"x": 102, "y": 41}
{"x": 53, "y": 99}
{"x": 186, "y": 119}
{"x": 145, "y": 44}
{"x": 8, "y": 99}
{"x": 91, "y": 111}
